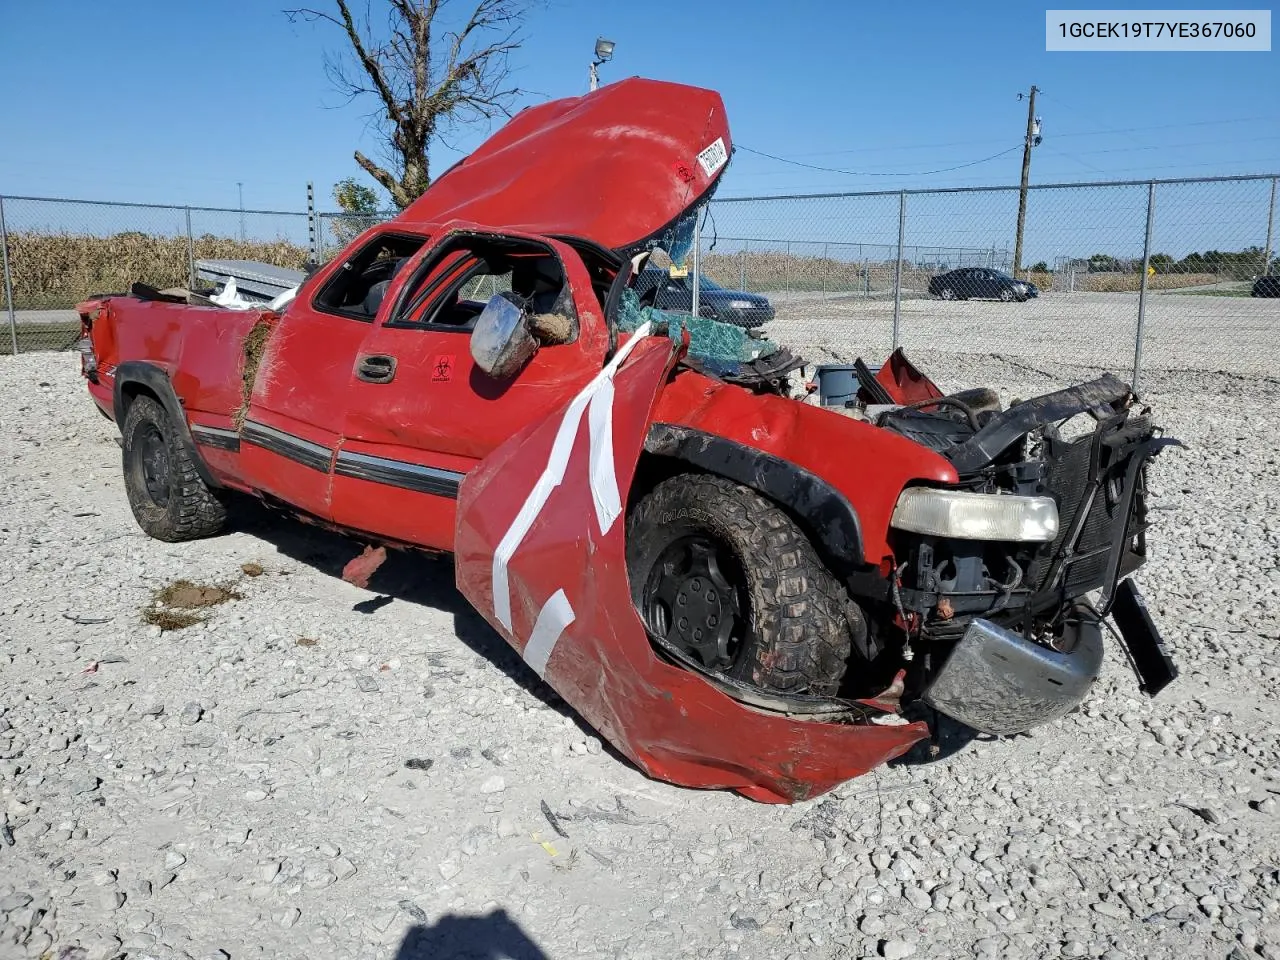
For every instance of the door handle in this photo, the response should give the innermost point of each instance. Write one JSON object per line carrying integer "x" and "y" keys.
{"x": 376, "y": 369}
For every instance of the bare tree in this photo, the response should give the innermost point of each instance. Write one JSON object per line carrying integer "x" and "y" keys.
{"x": 425, "y": 84}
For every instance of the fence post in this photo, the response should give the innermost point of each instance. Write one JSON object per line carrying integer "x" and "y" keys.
{"x": 742, "y": 265}
{"x": 897, "y": 266}
{"x": 697, "y": 244}
{"x": 8, "y": 281}
{"x": 1142, "y": 283}
{"x": 826, "y": 265}
{"x": 313, "y": 252}
{"x": 1271, "y": 220}
{"x": 191, "y": 253}
{"x": 786, "y": 268}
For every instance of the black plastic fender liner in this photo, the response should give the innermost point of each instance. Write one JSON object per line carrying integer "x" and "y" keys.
{"x": 823, "y": 511}
{"x": 156, "y": 381}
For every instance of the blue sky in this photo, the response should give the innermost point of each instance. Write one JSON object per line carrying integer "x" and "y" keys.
{"x": 171, "y": 102}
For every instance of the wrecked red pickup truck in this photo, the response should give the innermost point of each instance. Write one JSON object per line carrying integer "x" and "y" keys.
{"x": 735, "y": 587}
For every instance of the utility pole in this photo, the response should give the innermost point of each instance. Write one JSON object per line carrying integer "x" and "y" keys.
{"x": 1032, "y": 139}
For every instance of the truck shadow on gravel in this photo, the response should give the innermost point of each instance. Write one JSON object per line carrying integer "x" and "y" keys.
{"x": 494, "y": 936}
{"x": 416, "y": 578}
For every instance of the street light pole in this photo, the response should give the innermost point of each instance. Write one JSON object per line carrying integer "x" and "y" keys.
{"x": 1026, "y": 177}
{"x": 604, "y": 53}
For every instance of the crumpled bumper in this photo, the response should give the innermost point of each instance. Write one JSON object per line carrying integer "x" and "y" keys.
{"x": 997, "y": 682}
{"x": 540, "y": 553}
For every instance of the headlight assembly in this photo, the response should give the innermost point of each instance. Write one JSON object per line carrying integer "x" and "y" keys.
{"x": 976, "y": 516}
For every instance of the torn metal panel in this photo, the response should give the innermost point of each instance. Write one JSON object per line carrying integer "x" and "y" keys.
{"x": 994, "y": 438}
{"x": 564, "y": 601}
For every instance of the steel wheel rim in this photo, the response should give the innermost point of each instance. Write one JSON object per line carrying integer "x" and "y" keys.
{"x": 695, "y": 598}
{"x": 153, "y": 460}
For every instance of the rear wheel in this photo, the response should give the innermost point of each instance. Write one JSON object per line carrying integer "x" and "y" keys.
{"x": 727, "y": 578}
{"x": 167, "y": 496}
{"x": 948, "y": 293}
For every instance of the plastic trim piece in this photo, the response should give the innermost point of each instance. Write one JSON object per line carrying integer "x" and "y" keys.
{"x": 309, "y": 454}
{"x": 218, "y": 437}
{"x": 398, "y": 473}
{"x": 825, "y": 513}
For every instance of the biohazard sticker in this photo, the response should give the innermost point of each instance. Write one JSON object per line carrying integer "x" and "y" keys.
{"x": 442, "y": 368}
{"x": 713, "y": 157}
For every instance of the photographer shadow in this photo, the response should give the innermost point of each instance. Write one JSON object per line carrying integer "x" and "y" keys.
{"x": 494, "y": 936}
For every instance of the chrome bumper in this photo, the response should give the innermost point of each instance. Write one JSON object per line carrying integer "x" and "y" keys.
{"x": 997, "y": 682}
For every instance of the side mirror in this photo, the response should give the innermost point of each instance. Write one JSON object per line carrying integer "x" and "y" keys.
{"x": 501, "y": 342}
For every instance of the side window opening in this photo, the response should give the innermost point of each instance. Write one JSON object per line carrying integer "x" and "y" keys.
{"x": 356, "y": 290}
{"x": 451, "y": 291}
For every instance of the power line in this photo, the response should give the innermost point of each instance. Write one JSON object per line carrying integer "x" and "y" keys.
{"x": 1164, "y": 126}
{"x": 856, "y": 173}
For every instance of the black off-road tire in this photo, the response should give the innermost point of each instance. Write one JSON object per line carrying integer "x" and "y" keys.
{"x": 167, "y": 496}
{"x": 796, "y": 637}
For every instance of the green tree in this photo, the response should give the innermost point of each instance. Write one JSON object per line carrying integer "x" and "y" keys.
{"x": 1039, "y": 267}
{"x": 359, "y": 205}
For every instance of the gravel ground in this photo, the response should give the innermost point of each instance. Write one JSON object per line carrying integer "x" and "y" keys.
{"x": 321, "y": 771}
{"x": 1181, "y": 331}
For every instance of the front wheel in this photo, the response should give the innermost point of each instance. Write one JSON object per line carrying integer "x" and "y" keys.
{"x": 728, "y": 579}
{"x": 167, "y": 496}
{"x": 1006, "y": 295}
{"x": 948, "y": 293}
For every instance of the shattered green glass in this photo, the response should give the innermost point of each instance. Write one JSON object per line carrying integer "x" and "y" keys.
{"x": 720, "y": 348}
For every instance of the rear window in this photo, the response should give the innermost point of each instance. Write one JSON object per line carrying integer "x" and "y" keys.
{"x": 357, "y": 288}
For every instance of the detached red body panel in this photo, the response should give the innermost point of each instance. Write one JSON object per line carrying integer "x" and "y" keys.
{"x": 570, "y": 613}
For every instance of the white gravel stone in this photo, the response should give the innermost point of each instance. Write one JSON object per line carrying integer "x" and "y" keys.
{"x": 95, "y": 787}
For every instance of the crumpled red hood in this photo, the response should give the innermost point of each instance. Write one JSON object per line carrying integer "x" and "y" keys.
{"x": 615, "y": 166}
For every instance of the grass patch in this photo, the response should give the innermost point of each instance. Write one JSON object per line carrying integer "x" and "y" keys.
{"x": 255, "y": 345}
{"x": 170, "y": 619}
{"x": 1210, "y": 293}
{"x": 39, "y": 336}
{"x": 173, "y": 606}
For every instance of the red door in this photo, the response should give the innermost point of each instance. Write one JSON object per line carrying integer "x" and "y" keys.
{"x": 293, "y": 424}
{"x": 420, "y": 414}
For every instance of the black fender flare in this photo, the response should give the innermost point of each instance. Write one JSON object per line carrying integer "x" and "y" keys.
{"x": 156, "y": 381}
{"x": 824, "y": 512}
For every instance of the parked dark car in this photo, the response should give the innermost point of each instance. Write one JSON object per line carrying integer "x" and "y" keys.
{"x": 676, "y": 293}
{"x": 981, "y": 283}
{"x": 1266, "y": 287}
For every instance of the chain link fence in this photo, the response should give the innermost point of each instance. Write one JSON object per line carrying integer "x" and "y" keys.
{"x": 1162, "y": 274}
{"x": 59, "y": 252}
{"x": 1169, "y": 275}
